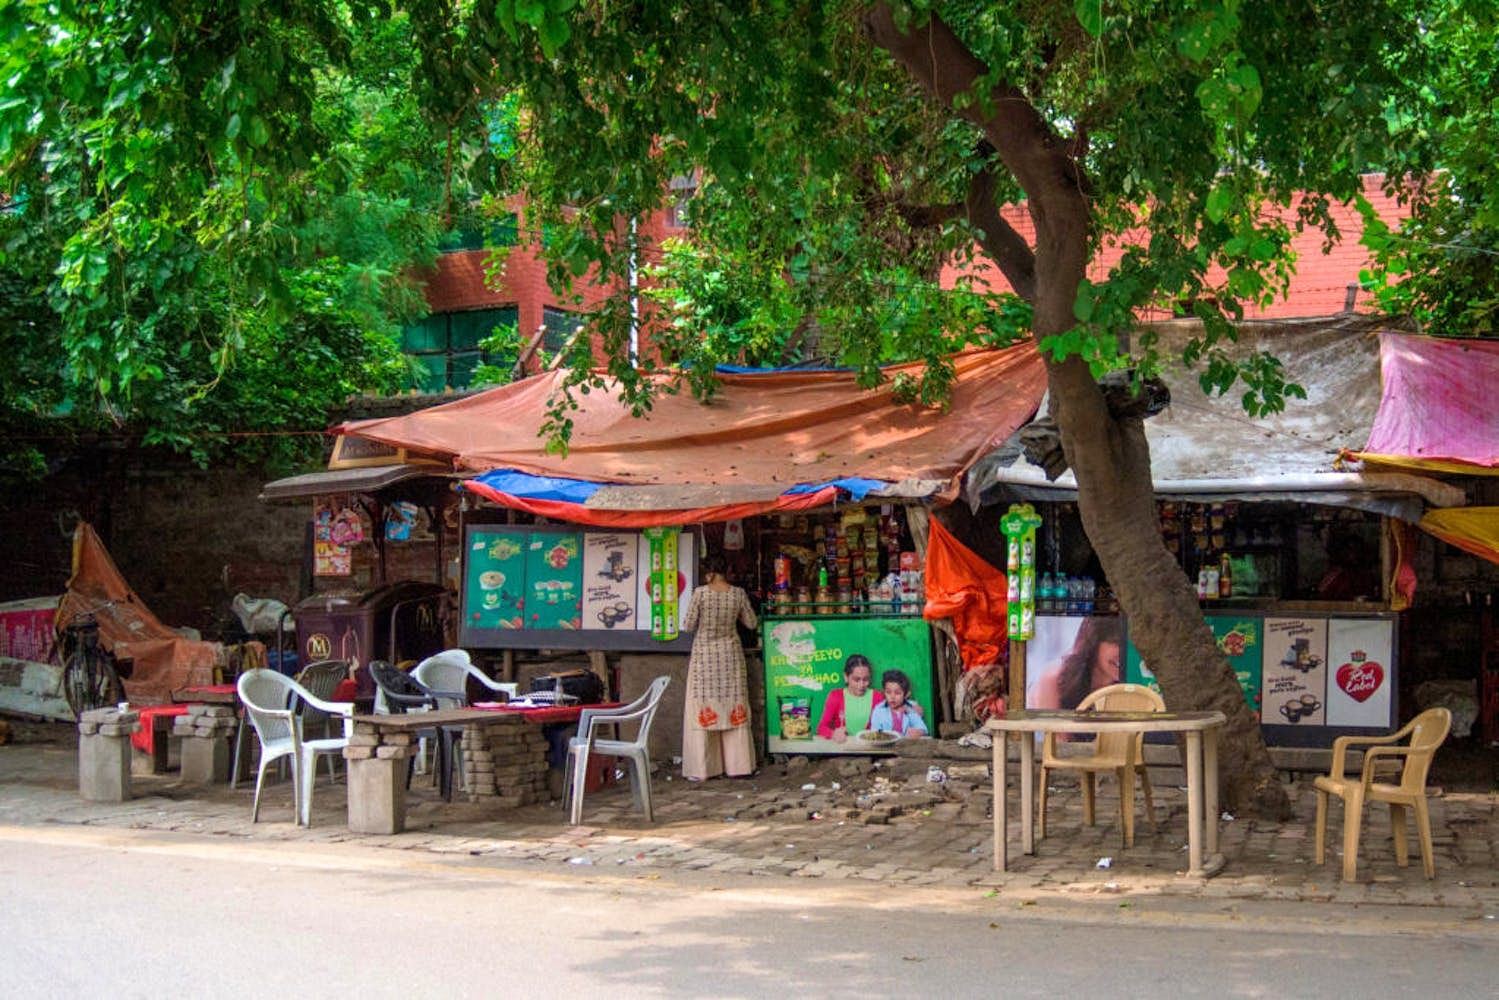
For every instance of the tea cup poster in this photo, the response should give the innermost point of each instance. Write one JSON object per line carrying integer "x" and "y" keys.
{"x": 1360, "y": 678}
{"x": 610, "y": 565}
{"x": 1295, "y": 671}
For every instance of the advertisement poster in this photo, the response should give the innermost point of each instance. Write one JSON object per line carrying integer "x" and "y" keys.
{"x": 1240, "y": 639}
{"x": 336, "y": 528}
{"x": 1295, "y": 671}
{"x": 554, "y": 580}
{"x": 804, "y": 671}
{"x": 1071, "y": 656}
{"x": 686, "y": 574}
{"x": 495, "y": 587}
{"x": 1359, "y": 676}
{"x": 610, "y": 563}
{"x": 26, "y": 628}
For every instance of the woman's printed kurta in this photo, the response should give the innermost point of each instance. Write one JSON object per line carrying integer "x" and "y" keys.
{"x": 717, "y": 685}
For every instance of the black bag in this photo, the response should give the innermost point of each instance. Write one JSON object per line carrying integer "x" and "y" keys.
{"x": 583, "y": 685}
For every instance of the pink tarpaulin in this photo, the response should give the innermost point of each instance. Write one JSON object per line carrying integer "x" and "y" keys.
{"x": 1437, "y": 409}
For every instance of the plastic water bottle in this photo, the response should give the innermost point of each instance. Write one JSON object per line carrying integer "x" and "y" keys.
{"x": 1090, "y": 591}
{"x": 1046, "y": 593}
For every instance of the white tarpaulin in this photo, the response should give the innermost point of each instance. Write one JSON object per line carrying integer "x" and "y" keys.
{"x": 1207, "y": 448}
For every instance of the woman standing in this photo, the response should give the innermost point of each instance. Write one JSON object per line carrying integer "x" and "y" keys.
{"x": 716, "y": 735}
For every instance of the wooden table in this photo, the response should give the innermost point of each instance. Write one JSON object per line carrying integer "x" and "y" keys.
{"x": 1200, "y": 728}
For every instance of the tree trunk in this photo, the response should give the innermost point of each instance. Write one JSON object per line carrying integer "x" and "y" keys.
{"x": 1109, "y": 456}
{"x": 1111, "y": 461}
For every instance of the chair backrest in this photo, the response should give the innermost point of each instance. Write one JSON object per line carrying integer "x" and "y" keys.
{"x": 446, "y": 673}
{"x": 1121, "y": 698}
{"x": 401, "y": 690}
{"x": 322, "y": 679}
{"x": 642, "y": 710}
{"x": 1427, "y": 732}
{"x": 266, "y": 696}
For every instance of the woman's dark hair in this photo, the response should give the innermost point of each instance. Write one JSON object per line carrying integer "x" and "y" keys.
{"x": 896, "y": 677}
{"x": 715, "y": 564}
{"x": 1076, "y": 677}
{"x": 857, "y": 660}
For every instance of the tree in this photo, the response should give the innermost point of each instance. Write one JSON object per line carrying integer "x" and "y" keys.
{"x": 1442, "y": 266}
{"x": 860, "y": 144}
{"x": 213, "y": 215}
{"x": 864, "y": 132}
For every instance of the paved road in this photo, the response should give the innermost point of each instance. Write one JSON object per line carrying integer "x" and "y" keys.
{"x": 125, "y": 913}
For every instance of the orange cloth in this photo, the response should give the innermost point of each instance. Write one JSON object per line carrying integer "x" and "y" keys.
{"x": 760, "y": 429}
{"x": 961, "y": 586}
{"x": 163, "y": 660}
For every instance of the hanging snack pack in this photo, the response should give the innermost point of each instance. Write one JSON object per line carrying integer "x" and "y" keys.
{"x": 1019, "y": 528}
{"x": 664, "y": 619}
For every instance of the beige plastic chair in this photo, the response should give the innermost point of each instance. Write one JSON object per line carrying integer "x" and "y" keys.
{"x": 1425, "y": 732}
{"x": 1110, "y": 751}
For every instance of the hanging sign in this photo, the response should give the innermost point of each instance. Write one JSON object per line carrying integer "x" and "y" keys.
{"x": 663, "y": 582}
{"x": 1019, "y": 528}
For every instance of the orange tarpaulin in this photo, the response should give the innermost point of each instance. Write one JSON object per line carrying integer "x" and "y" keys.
{"x": 163, "y": 659}
{"x": 762, "y": 428}
{"x": 961, "y": 586}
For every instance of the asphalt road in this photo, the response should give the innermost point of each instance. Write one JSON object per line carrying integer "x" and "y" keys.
{"x": 91, "y": 912}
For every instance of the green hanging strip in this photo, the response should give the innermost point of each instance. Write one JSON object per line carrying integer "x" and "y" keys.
{"x": 664, "y": 617}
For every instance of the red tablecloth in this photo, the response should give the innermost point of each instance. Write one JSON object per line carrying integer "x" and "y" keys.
{"x": 545, "y": 716}
{"x": 145, "y": 740}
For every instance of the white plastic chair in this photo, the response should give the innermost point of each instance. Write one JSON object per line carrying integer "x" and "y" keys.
{"x": 448, "y": 672}
{"x": 270, "y": 702}
{"x": 642, "y": 709}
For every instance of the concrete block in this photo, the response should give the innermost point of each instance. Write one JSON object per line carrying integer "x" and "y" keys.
{"x": 104, "y": 768}
{"x": 392, "y": 753}
{"x": 359, "y": 753}
{"x": 205, "y": 761}
{"x": 377, "y": 795}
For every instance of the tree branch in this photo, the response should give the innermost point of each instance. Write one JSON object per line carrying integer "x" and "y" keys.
{"x": 945, "y": 67}
{"x": 1006, "y": 247}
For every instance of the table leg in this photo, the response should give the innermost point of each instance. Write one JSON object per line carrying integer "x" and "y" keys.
{"x": 1210, "y": 780}
{"x": 1027, "y": 792}
{"x": 1000, "y": 847}
{"x": 1194, "y": 802}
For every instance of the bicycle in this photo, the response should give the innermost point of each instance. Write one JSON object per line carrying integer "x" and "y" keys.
{"x": 89, "y": 678}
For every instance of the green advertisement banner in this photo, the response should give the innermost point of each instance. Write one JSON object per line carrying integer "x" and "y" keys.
{"x": 1240, "y": 638}
{"x": 804, "y": 671}
{"x": 554, "y": 580}
{"x": 495, "y": 584}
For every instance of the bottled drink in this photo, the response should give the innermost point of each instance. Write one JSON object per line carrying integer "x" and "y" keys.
{"x": 1225, "y": 577}
{"x": 1045, "y": 593}
{"x": 822, "y": 576}
{"x": 1089, "y": 591}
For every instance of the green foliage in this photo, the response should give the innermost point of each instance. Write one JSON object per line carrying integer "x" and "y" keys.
{"x": 188, "y": 179}
{"x": 1442, "y": 265}
{"x": 215, "y": 208}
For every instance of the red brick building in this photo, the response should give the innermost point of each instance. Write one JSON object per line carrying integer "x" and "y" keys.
{"x": 465, "y": 309}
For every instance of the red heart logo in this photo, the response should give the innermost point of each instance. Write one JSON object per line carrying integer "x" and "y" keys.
{"x": 1360, "y": 680}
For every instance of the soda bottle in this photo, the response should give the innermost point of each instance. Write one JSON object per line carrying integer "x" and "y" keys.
{"x": 1225, "y": 577}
